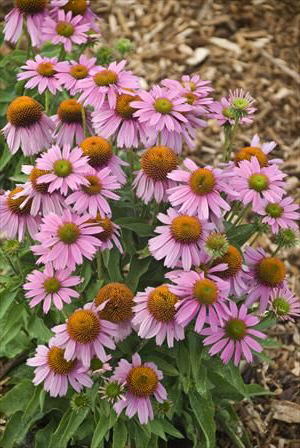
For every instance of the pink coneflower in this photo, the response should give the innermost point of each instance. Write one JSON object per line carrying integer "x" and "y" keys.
{"x": 180, "y": 239}
{"x": 71, "y": 72}
{"x": 56, "y": 372}
{"x": 65, "y": 240}
{"x": 119, "y": 122}
{"x": 91, "y": 198}
{"x": 267, "y": 274}
{"x": 110, "y": 232}
{"x": 118, "y": 300}
{"x": 200, "y": 192}
{"x": 255, "y": 185}
{"x": 106, "y": 83}
{"x": 280, "y": 215}
{"x": 202, "y": 296}
{"x": 155, "y": 315}
{"x": 69, "y": 122}
{"x": 141, "y": 382}
{"x": 258, "y": 150}
{"x": 14, "y": 219}
{"x": 42, "y": 73}
{"x": 237, "y": 107}
{"x": 77, "y": 7}
{"x": 190, "y": 84}
{"x": 235, "y": 337}
{"x": 51, "y": 286}
{"x": 84, "y": 335}
{"x": 66, "y": 30}
{"x": 100, "y": 153}
{"x": 40, "y": 199}
{"x": 66, "y": 169}
{"x": 28, "y": 127}
{"x": 151, "y": 181}
{"x": 34, "y": 11}
{"x": 285, "y": 304}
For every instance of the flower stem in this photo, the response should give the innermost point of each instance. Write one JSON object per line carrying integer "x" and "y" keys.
{"x": 84, "y": 126}
{"x": 62, "y": 53}
{"x": 8, "y": 259}
{"x": 230, "y": 136}
{"x": 47, "y": 101}
{"x": 130, "y": 158}
{"x": 99, "y": 264}
{"x": 242, "y": 214}
{"x": 277, "y": 250}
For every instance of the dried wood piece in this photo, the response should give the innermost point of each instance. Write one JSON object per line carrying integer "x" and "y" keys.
{"x": 286, "y": 411}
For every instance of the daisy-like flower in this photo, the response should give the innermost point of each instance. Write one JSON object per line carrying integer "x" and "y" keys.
{"x": 112, "y": 391}
{"x": 28, "y": 127}
{"x": 119, "y": 122}
{"x": 40, "y": 199}
{"x": 66, "y": 30}
{"x": 52, "y": 368}
{"x": 202, "y": 296}
{"x": 200, "y": 192}
{"x": 106, "y": 83}
{"x": 155, "y": 315}
{"x": 235, "y": 337}
{"x": 255, "y": 185}
{"x": 65, "y": 169}
{"x": 91, "y": 198}
{"x": 77, "y": 7}
{"x": 42, "y": 73}
{"x": 151, "y": 181}
{"x": 85, "y": 335}
{"x": 100, "y": 153}
{"x": 239, "y": 104}
{"x": 181, "y": 239}
{"x": 141, "y": 382}
{"x": 110, "y": 232}
{"x": 118, "y": 299}
{"x": 15, "y": 219}
{"x": 34, "y": 12}
{"x": 65, "y": 240}
{"x": 258, "y": 150}
{"x": 267, "y": 274}
{"x": 216, "y": 244}
{"x": 285, "y": 304}
{"x": 71, "y": 72}
{"x": 69, "y": 122}
{"x": 51, "y": 286}
{"x": 190, "y": 84}
{"x": 280, "y": 215}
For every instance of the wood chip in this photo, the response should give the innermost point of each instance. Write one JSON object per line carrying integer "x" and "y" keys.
{"x": 286, "y": 411}
{"x": 226, "y": 44}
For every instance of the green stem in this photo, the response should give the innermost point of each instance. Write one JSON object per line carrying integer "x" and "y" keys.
{"x": 242, "y": 214}
{"x": 99, "y": 265}
{"x": 230, "y": 136}
{"x": 47, "y": 101}
{"x": 130, "y": 158}
{"x": 10, "y": 262}
{"x": 84, "y": 126}
{"x": 231, "y": 213}
{"x": 276, "y": 250}
{"x": 155, "y": 212}
{"x": 255, "y": 238}
{"x": 62, "y": 53}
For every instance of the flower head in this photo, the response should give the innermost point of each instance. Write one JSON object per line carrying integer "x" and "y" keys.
{"x": 216, "y": 244}
{"x": 141, "y": 381}
{"x": 280, "y": 215}
{"x": 258, "y": 150}
{"x": 238, "y": 106}
{"x": 51, "y": 286}
{"x": 77, "y": 7}
{"x": 235, "y": 337}
{"x": 285, "y": 304}
{"x": 110, "y": 232}
{"x": 71, "y": 72}
{"x": 112, "y": 391}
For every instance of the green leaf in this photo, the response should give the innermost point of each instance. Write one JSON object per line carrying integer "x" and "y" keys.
{"x": 85, "y": 273}
{"x": 15, "y": 431}
{"x": 38, "y": 329}
{"x": 137, "y": 269}
{"x": 165, "y": 366}
{"x": 67, "y": 427}
{"x": 119, "y": 435}
{"x": 204, "y": 409}
{"x": 17, "y": 398}
{"x": 170, "y": 429}
{"x": 184, "y": 366}
{"x": 103, "y": 426}
{"x": 43, "y": 436}
{"x": 112, "y": 262}
{"x": 5, "y": 157}
{"x": 157, "y": 428}
{"x": 257, "y": 390}
{"x": 266, "y": 323}
{"x": 32, "y": 405}
{"x": 6, "y": 299}
{"x": 240, "y": 234}
{"x": 136, "y": 225}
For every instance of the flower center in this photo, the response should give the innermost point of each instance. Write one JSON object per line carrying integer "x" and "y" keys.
{"x": 235, "y": 329}
{"x": 234, "y": 260}
{"x": 216, "y": 242}
{"x": 46, "y": 69}
{"x": 240, "y": 103}
{"x": 161, "y": 304}
{"x": 123, "y": 107}
{"x": 95, "y": 185}
{"x": 65, "y": 29}
{"x": 51, "y": 285}
{"x": 69, "y": 111}
{"x": 163, "y": 105}
{"x": 189, "y": 84}
{"x": 258, "y": 182}
{"x": 142, "y": 381}
{"x": 105, "y": 78}
{"x": 113, "y": 390}
{"x": 107, "y": 227}
{"x": 206, "y": 291}
{"x": 83, "y": 326}
{"x": 270, "y": 271}
{"x": 281, "y": 306}
{"x": 24, "y": 111}
{"x": 34, "y": 175}
{"x": 202, "y": 181}
{"x": 68, "y": 233}
{"x": 191, "y": 98}
{"x": 186, "y": 229}
{"x": 248, "y": 152}
{"x": 77, "y": 7}
{"x": 57, "y": 362}
{"x": 228, "y": 112}
{"x": 15, "y": 203}
{"x": 274, "y": 210}
{"x": 120, "y": 301}
{"x": 79, "y": 71}
{"x": 31, "y": 6}
{"x": 62, "y": 168}
{"x": 158, "y": 161}
{"x": 98, "y": 150}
